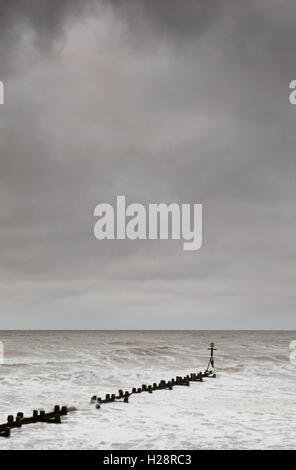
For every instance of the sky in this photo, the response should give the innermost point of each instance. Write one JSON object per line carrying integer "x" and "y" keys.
{"x": 160, "y": 101}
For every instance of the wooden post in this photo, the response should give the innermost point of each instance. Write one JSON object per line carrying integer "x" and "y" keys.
{"x": 5, "y": 432}
{"x": 18, "y": 422}
{"x": 57, "y": 418}
{"x": 10, "y": 420}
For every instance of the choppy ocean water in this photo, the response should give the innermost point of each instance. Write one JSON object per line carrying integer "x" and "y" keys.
{"x": 250, "y": 405}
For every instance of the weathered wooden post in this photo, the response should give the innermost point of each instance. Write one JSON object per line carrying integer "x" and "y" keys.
{"x": 5, "y": 432}
{"x": 18, "y": 422}
{"x": 41, "y": 416}
{"x": 186, "y": 381}
{"x": 10, "y": 420}
{"x": 57, "y": 418}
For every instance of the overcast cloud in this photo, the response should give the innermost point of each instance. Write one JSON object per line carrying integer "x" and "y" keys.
{"x": 162, "y": 101}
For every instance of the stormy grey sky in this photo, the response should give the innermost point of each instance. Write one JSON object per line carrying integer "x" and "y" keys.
{"x": 163, "y": 101}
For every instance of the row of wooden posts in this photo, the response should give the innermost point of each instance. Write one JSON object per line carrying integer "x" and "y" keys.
{"x": 55, "y": 415}
{"x": 162, "y": 385}
{"x": 37, "y": 417}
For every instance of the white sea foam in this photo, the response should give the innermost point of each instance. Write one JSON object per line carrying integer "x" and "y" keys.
{"x": 250, "y": 405}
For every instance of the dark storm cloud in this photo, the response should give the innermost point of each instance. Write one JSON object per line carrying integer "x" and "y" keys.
{"x": 49, "y": 17}
{"x": 160, "y": 101}
{"x": 255, "y": 31}
{"x": 45, "y": 20}
{"x": 178, "y": 19}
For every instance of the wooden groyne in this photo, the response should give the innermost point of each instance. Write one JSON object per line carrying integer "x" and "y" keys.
{"x": 162, "y": 385}
{"x": 54, "y": 416}
{"x": 37, "y": 417}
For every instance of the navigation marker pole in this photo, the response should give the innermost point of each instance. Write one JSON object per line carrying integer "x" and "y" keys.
{"x": 211, "y": 360}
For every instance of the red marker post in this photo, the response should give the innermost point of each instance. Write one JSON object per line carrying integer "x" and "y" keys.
{"x": 211, "y": 360}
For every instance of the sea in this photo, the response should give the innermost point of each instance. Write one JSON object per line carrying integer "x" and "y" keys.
{"x": 251, "y": 404}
